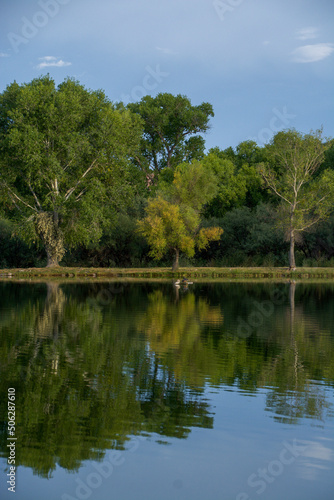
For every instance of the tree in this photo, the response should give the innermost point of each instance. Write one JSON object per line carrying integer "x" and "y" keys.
{"x": 240, "y": 179}
{"x": 293, "y": 160}
{"x": 173, "y": 219}
{"x": 232, "y": 186}
{"x": 65, "y": 159}
{"x": 170, "y": 125}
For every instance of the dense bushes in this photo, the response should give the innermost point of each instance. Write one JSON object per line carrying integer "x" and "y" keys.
{"x": 14, "y": 252}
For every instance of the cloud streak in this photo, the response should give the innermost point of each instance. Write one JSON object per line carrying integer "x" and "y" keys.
{"x": 307, "y": 33}
{"x": 165, "y": 50}
{"x": 312, "y": 53}
{"x": 51, "y": 61}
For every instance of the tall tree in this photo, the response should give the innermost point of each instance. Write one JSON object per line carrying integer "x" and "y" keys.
{"x": 64, "y": 161}
{"x": 173, "y": 220}
{"x": 293, "y": 161}
{"x": 171, "y": 125}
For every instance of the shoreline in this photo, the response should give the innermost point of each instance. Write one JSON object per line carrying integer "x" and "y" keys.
{"x": 188, "y": 272}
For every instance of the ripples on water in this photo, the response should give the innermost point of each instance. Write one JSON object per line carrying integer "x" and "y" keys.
{"x": 217, "y": 390}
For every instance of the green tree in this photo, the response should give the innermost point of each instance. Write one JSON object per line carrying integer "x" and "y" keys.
{"x": 170, "y": 127}
{"x": 65, "y": 156}
{"x": 232, "y": 186}
{"x": 173, "y": 218}
{"x": 240, "y": 180}
{"x": 293, "y": 160}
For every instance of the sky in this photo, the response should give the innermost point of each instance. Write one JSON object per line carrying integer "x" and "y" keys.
{"x": 264, "y": 65}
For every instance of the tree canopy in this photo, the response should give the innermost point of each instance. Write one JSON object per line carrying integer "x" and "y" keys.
{"x": 63, "y": 151}
{"x": 290, "y": 172}
{"x": 173, "y": 218}
{"x": 171, "y": 128}
{"x": 77, "y": 172}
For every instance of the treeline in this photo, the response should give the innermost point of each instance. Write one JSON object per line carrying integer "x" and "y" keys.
{"x": 84, "y": 181}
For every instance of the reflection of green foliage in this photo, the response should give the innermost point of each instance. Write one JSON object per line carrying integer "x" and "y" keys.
{"x": 87, "y": 375}
{"x": 173, "y": 330}
{"x": 62, "y": 421}
{"x": 171, "y": 325}
{"x": 77, "y": 371}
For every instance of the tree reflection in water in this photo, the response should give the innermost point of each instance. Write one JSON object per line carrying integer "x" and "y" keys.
{"x": 87, "y": 378}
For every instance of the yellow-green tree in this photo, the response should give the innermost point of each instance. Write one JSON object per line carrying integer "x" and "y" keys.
{"x": 173, "y": 217}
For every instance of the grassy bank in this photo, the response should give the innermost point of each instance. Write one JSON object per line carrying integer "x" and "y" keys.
{"x": 161, "y": 272}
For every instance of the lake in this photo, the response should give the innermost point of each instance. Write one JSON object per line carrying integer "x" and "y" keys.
{"x": 147, "y": 391}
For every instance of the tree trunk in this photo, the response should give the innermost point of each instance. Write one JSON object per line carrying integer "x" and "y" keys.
{"x": 47, "y": 226}
{"x": 52, "y": 259}
{"x": 292, "y": 261}
{"x": 176, "y": 261}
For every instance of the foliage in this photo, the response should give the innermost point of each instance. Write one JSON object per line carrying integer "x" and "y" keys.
{"x": 250, "y": 238}
{"x": 173, "y": 218}
{"x": 293, "y": 160}
{"x": 247, "y": 190}
{"x": 232, "y": 186}
{"x": 76, "y": 173}
{"x": 193, "y": 185}
{"x": 14, "y": 252}
{"x": 170, "y": 125}
{"x": 165, "y": 226}
{"x": 64, "y": 151}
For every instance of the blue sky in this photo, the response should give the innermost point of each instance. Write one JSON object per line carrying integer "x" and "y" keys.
{"x": 264, "y": 65}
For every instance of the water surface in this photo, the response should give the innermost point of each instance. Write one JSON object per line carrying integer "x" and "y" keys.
{"x": 148, "y": 391}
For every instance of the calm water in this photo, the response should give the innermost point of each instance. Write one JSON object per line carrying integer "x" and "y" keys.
{"x": 150, "y": 392}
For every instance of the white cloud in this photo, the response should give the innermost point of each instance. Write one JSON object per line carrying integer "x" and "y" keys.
{"x": 48, "y": 58}
{"x": 307, "y": 33}
{"x": 2, "y": 54}
{"x": 165, "y": 50}
{"x": 312, "y": 53}
{"x": 51, "y": 61}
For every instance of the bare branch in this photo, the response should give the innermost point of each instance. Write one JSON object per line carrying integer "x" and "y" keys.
{"x": 80, "y": 194}
{"x": 72, "y": 189}
{"x": 272, "y": 186}
{"x": 66, "y": 166}
{"x": 15, "y": 196}
{"x": 35, "y": 196}
{"x": 310, "y": 224}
